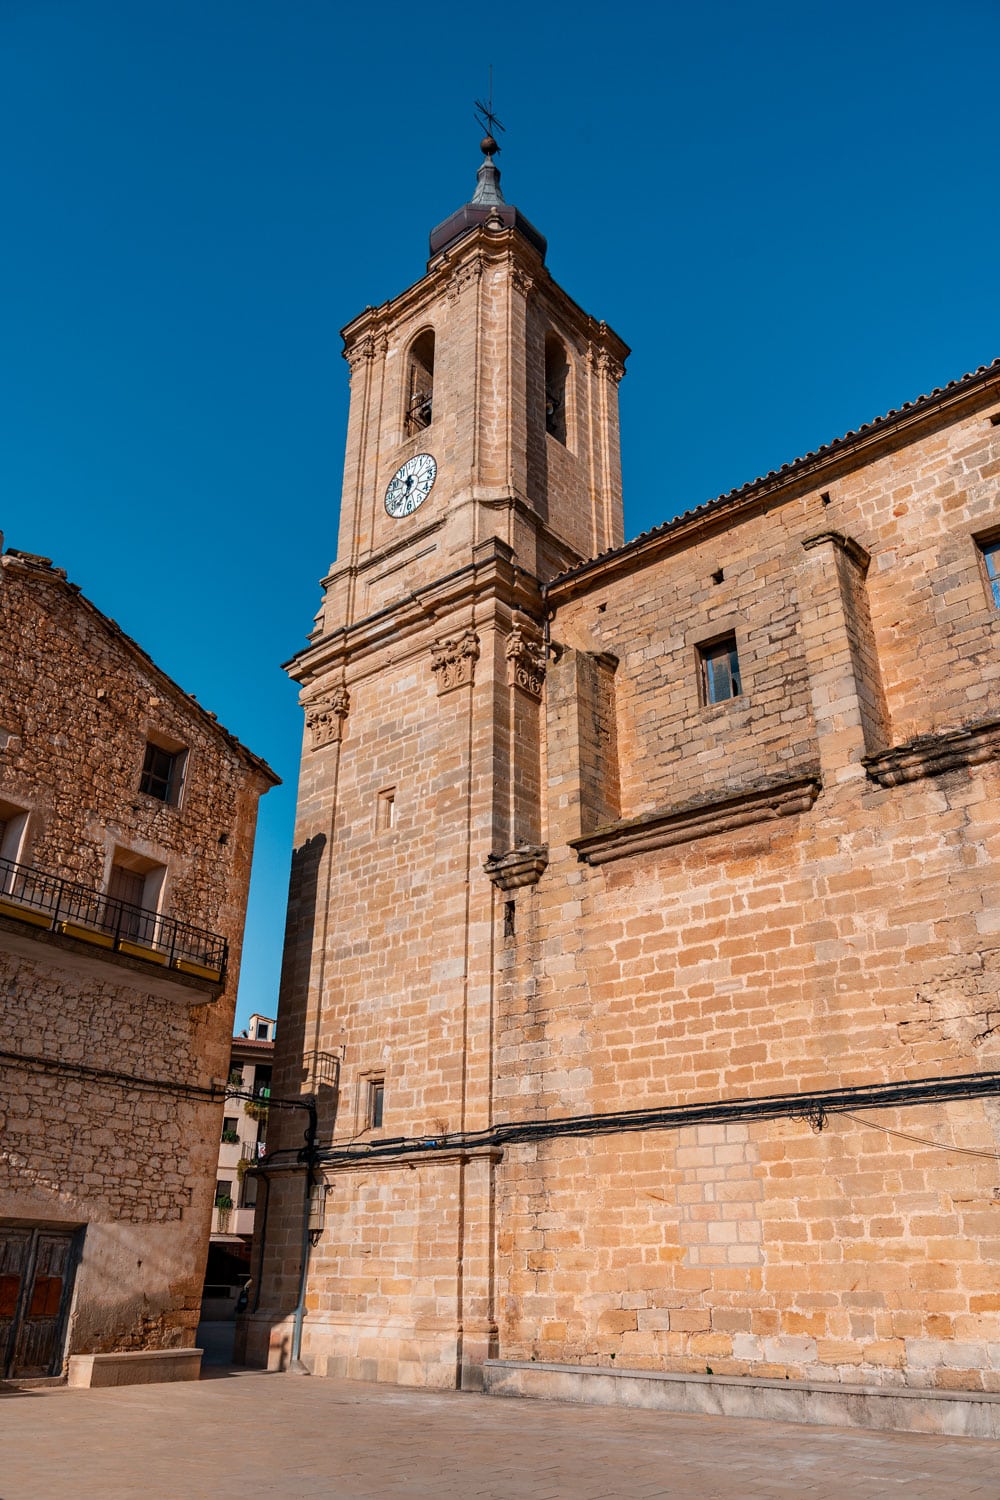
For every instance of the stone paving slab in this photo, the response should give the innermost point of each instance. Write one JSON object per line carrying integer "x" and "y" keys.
{"x": 251, "y": 1434}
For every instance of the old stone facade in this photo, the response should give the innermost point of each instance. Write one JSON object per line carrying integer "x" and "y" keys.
{"x": 127, "y": 817}
{"x": 649, "y": 903}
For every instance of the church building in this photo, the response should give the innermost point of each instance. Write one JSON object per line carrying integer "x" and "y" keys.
{"x": 644, "y": 932}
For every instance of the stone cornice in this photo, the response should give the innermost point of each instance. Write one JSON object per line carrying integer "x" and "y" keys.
{"x": 381, "y": 555}
{"x": 464, "y": 263}
{"x": 933, "y": 754}
{"x": 683, "y": 825}
{"x": 491, "y": 575}
{"x": 797, "y": 478}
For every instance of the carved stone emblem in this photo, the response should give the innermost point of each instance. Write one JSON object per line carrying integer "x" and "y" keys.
{"x": 464, "y": 275}
{"x": 453, "y": 661}
{"x": 526, "y": 662}
{"x": 325, "y": 720}
{"x": 522, "y": 281}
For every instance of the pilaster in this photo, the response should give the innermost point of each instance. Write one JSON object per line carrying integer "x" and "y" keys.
{"x": 845, "y": 683}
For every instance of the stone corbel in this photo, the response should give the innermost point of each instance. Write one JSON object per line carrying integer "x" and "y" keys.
{"x": 526, "y": 662}
{"x": 453, "y": 661}
{"x": 325, "y": 719}
{"x": 523, "y": 866}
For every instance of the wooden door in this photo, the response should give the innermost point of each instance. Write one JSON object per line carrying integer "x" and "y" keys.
{"x": 37, "y": 1268}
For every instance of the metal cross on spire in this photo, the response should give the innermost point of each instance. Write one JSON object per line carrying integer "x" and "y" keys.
{"x": 487, "y": 119}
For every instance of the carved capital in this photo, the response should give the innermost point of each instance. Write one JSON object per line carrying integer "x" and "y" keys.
{"x": 522, "y": 281}
{"x": 470, "y": 272}
{"x": 325, "y": 719}
{"x": 526, "y": 662}
{"x": 600, "y": 357}
{"x": 453, "y": 661}
{"x": 373, "y": 344}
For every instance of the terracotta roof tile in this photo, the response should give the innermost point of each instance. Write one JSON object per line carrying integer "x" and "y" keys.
{"x": 828, "y": 450}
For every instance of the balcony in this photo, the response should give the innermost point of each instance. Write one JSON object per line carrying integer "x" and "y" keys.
{"x": 231, "y": 1221}
{"x": 89, "y": 918}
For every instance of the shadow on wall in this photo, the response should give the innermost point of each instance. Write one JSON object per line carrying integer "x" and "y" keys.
{"x": 300, "y": 1068}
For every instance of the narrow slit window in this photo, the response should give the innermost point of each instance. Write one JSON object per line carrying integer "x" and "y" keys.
{"x": 420, "y": 383}
{"x": 720, "y": 671}
{"x": 385, "y": 809}
{"x": 990, "y": 553}
{"x": 376, "y": 1103}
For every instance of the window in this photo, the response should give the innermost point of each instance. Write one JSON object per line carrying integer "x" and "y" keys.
{"x": 161, "y": 771}
{"x": 224, "y": 1192}
{"x": 990, "y": 553}
{"x": 13, "y": 823}
{"x": 385, "y": 809}
{"x": 720, "y": 670}
{"x": 230, "y": 1131}
{"x": 420, "y": 383}
{"x": 134, "y": 887}
{"x": 376, "y": 1103}
{"x": 263, "y": 1032}
{"x": 556, "y": 371}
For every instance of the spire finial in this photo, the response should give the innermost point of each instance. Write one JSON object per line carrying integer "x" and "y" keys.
{"x": 486, "y": 118}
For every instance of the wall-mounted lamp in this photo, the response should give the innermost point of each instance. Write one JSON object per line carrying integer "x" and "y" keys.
{"x": 317, "y": 1212}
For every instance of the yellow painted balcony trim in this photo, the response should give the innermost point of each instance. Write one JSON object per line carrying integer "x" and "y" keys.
{"x": 25, "y": 914}
{"x": 87, "y": 934}
{"x": 137, "y": 950}
{"x": 203, "y": 971}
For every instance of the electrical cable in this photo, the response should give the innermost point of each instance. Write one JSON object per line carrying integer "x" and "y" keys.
{"x": 919, "y": 1139}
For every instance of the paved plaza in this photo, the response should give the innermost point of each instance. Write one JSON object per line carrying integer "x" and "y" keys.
{"x": 243, "y": 1434}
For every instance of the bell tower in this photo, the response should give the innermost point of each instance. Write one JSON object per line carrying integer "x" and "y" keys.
{"x": 506, "y": 394}
{"x": 482, "y": 460}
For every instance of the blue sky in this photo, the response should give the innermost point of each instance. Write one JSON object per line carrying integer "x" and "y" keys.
{"x": 789, "y": 211}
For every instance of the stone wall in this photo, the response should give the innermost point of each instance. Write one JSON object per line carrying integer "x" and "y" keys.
{"x": 599, "y": 893}
{"x": 103, "y": 1116}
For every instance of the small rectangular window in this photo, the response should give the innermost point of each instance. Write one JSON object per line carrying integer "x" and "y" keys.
{"x": 230, "y": 1130}
{"x": 224, "y": 1193}
{"x": 161, "y": 772}
{"x": 385, "y": 809}
{"x": 376, "y": 1103}
{"x": 720, "y": 671}
{"x": 990, "y": 553}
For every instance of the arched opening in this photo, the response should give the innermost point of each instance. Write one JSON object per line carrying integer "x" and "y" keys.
{"x": 420, "y": 383}
{"x": 556, "y": 373}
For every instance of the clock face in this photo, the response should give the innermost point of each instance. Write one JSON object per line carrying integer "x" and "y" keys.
{"x": 410, "y": 485}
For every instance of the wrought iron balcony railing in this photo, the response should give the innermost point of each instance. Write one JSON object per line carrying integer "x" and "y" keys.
{"x": 79, "y": 912}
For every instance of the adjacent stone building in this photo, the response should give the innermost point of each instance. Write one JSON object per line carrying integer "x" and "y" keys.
{"x": 242, "y": 1148}
{"x": 127, "y": 818}
{"x": 646, "y": 892}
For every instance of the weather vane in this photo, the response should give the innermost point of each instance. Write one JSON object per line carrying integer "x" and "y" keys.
{"x": 485, "y": 116}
